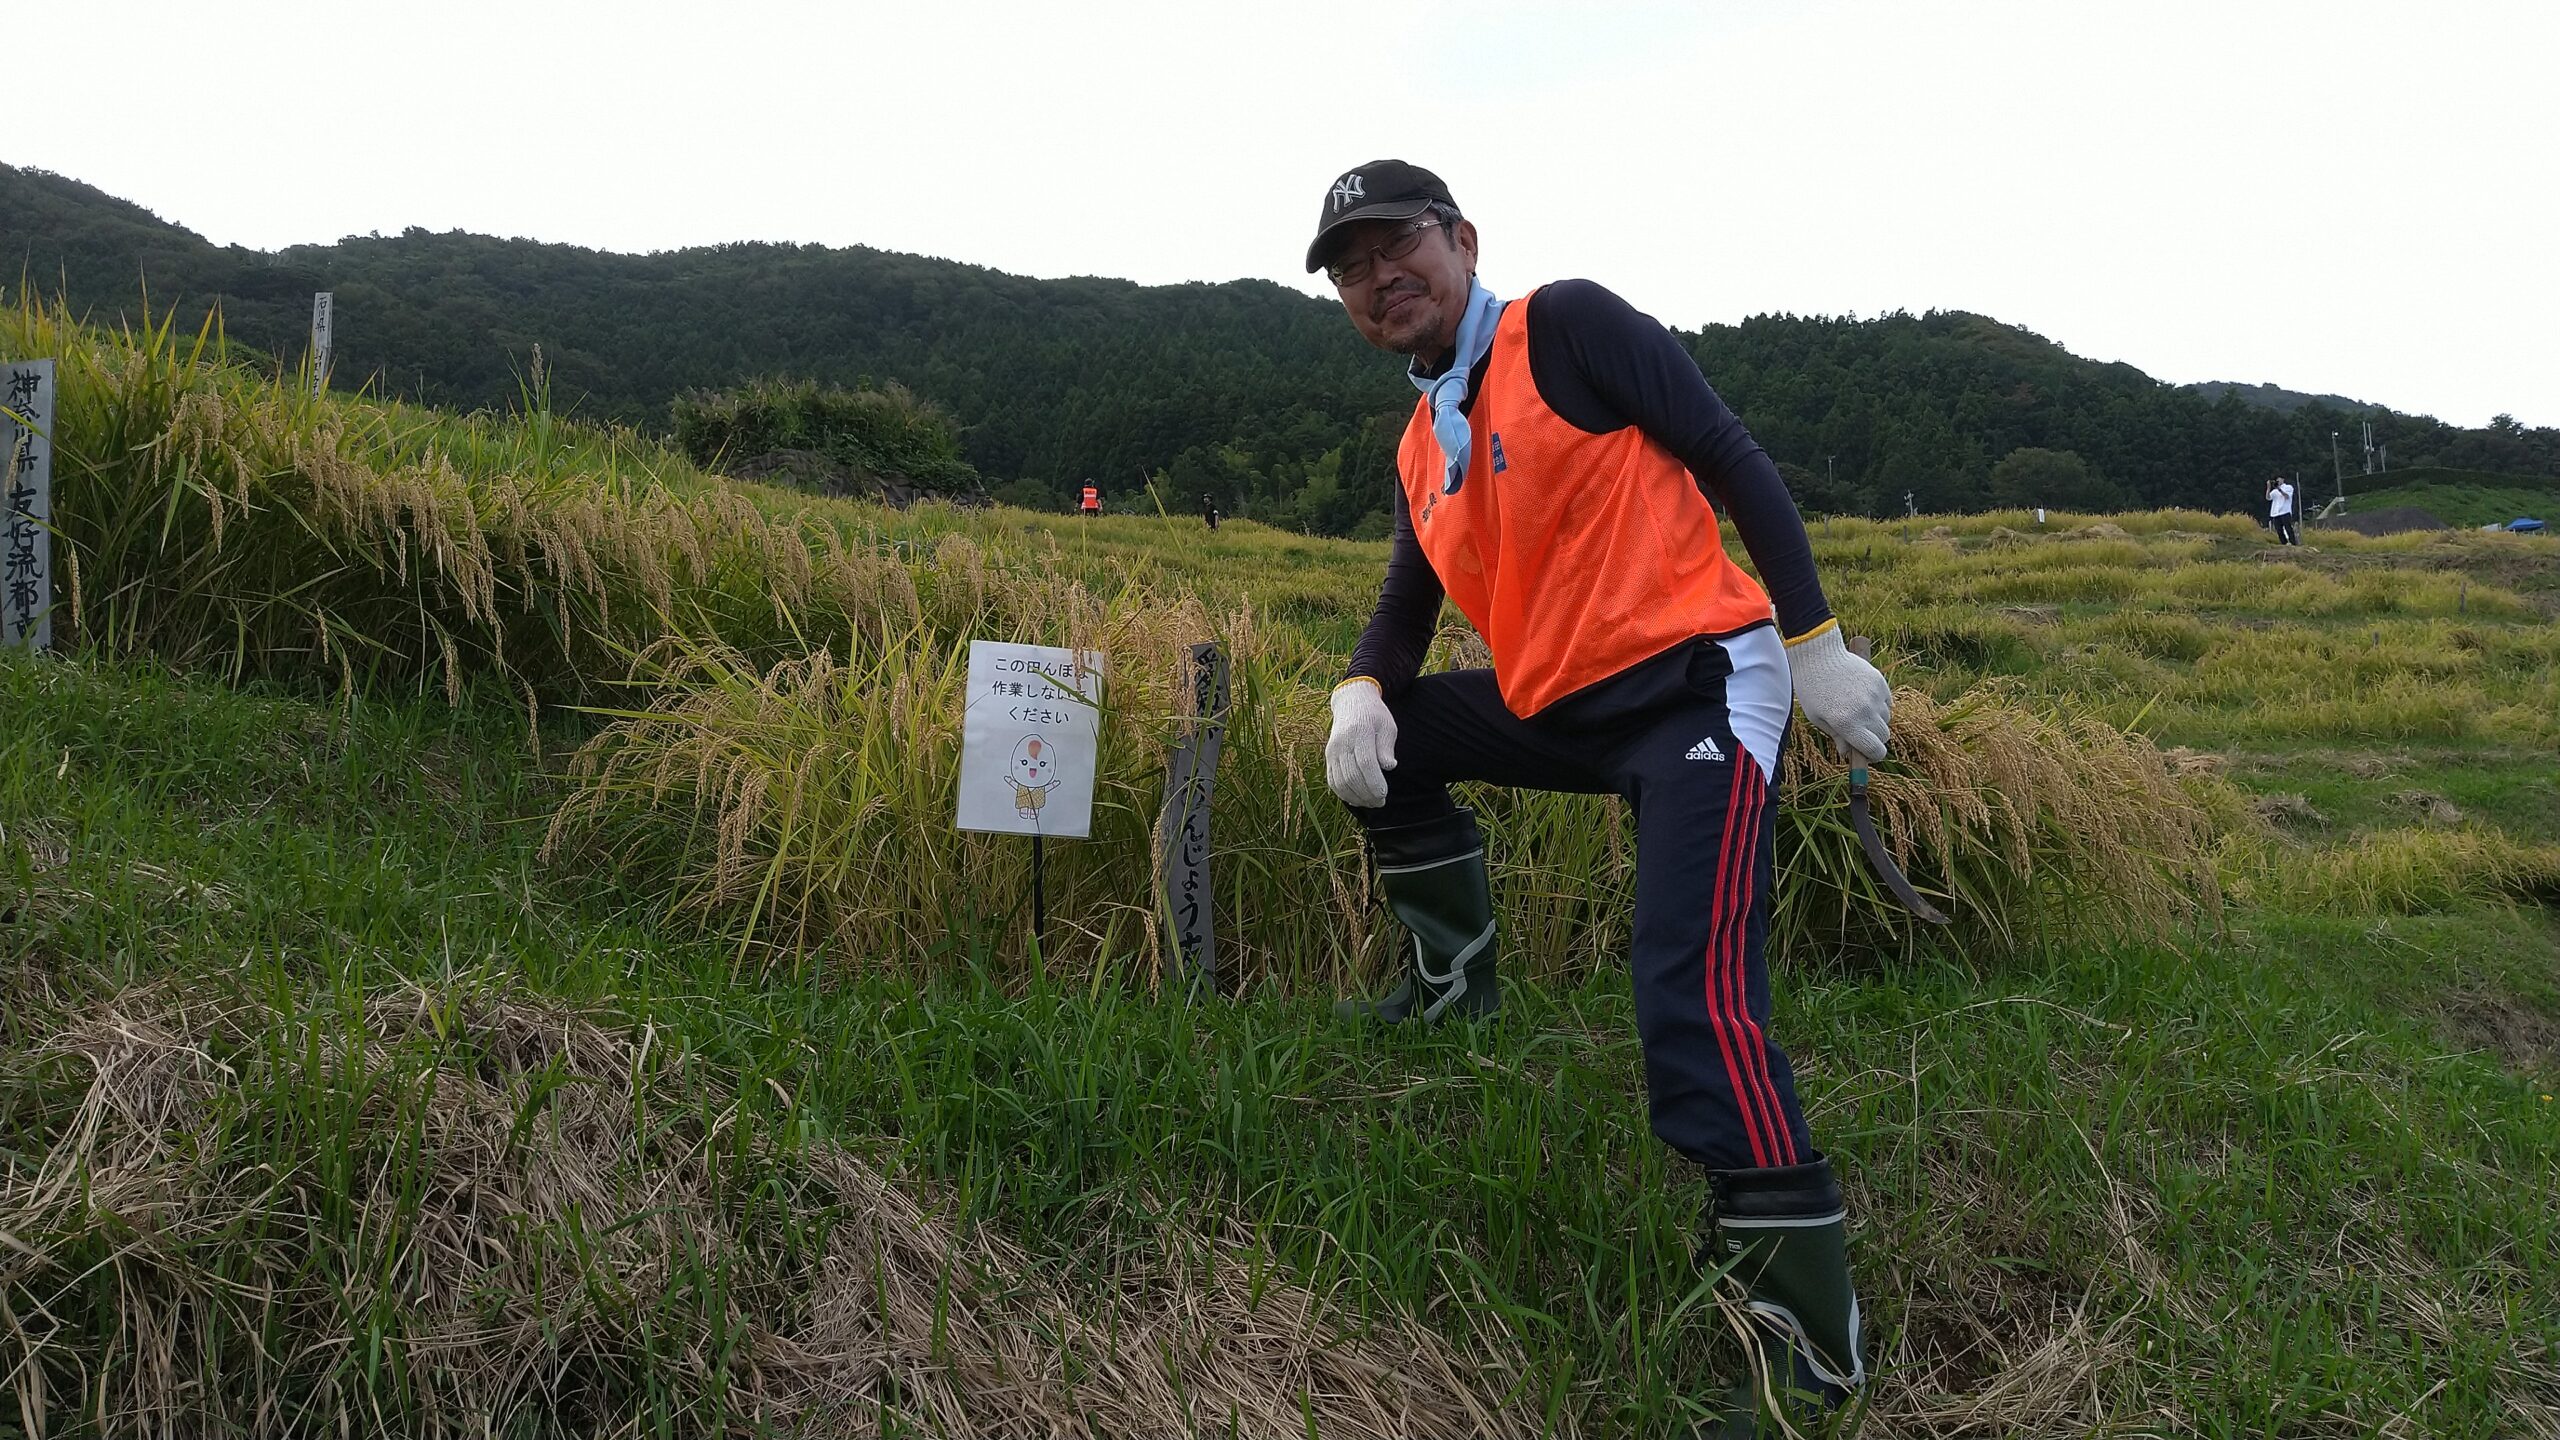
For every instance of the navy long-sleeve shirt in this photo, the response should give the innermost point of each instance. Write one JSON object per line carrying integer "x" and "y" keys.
{"x": 1602, "y": 365}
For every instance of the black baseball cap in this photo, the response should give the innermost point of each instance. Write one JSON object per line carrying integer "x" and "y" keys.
{"x": 1379, "y": 190}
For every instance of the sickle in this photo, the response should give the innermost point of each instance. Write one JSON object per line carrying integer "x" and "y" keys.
{"x": 1865, "y": 825}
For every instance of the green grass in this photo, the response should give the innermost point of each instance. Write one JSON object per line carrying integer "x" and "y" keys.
{"x": 2273, "y": 1180}
{"x": 2517, "y": 791}
{"x": 330, "y": 1099}
{"x": 2463, "y": 498}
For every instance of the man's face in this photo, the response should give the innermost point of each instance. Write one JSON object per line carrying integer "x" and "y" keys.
{"x": 1410, "y": 305}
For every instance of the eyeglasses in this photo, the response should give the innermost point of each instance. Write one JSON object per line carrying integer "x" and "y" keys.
{"x": 1355, "y": 269}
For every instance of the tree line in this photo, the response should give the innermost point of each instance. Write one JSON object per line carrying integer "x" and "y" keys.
{"x": 1250, "y": 392}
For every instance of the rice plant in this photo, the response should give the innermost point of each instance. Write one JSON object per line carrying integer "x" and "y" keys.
{"x": 781, "y": 690}
{"x": 330, "y": 1102}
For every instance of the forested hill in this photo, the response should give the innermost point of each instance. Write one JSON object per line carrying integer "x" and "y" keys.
{"x": 1058, "y": 379}
{"x": 1247, "y": 389}
{"x": 2276, "y": 397}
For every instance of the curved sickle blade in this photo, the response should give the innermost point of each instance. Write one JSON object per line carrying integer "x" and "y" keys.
{"x": 1882, "y": 861}
{"x": 1873, "y": 843}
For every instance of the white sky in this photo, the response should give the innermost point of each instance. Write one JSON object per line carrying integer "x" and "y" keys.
{"x": 2338, "y": 196}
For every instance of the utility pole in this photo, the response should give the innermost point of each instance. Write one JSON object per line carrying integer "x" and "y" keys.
{"x": 2336, "y": 466}
{"x": 1827, "y": 472}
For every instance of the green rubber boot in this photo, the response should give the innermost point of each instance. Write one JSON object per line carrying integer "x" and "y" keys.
{"x": 1434, "y": 877}
{"x": 1785, "y": 1232}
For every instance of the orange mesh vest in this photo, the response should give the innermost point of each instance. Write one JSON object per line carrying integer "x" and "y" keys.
{"x": 1574, "y": 555}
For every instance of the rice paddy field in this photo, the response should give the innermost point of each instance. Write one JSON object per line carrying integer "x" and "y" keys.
{"x": 483, "y": 950}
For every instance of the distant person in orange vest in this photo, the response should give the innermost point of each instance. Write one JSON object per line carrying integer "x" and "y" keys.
{"x": 1562, "y": 480}
{"x": 2281, "y": 511}
{"x": 1092, "y": 503}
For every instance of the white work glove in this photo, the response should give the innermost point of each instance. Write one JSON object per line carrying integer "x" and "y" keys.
{"x": 1845, "y": 697}
{"x": 1362, "y": 748}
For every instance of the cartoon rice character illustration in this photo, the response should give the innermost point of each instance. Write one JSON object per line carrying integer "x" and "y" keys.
{"x": 1034, "y": 775}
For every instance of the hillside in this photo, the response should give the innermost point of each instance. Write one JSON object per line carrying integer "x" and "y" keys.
{"x": 1258, "y": 394}
{"x": 391, "y": 1043}
{"x": 2464, "y": 498}
{"x": 2274, "y": 397}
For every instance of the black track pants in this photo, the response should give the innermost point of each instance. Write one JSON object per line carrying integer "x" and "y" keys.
{"x": 1662, "y": 736}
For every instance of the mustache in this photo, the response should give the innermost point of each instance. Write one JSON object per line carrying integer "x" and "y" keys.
{"x": 1379, "y": 302}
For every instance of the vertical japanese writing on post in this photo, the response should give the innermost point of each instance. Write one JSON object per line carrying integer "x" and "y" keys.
{"x": 1191, "y": 774}
{"x": 323, "y": 304}
{"x": 26, "y": 504}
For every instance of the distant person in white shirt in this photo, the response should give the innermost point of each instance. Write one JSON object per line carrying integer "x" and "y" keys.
{"x": 2280, "y": 511}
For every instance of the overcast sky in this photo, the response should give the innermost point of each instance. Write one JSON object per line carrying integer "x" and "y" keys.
{"x": 2339, "y": 197}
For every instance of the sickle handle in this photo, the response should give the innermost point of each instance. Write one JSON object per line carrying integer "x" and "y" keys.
{"x": 1859, "y": 646}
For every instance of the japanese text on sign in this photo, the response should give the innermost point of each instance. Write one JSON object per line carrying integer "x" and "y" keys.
{"x": 26, "y": 503}
{"x": 323, "y": 308}
{"x": 1190, "y": 781}
{"x": 1030, "y": 737}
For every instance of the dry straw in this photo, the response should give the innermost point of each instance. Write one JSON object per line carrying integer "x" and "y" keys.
{"x": 544, "y": 1214}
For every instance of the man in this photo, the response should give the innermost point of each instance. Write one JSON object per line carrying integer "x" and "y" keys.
{"x": 2280, "y": 511}
{"x": 1560, "y": 481}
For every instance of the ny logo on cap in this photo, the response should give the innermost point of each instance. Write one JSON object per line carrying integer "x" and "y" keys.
{"x": 1346, "y": 190}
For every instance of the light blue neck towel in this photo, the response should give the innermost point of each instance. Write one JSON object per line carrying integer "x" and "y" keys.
{"x": 1448, "y": 393}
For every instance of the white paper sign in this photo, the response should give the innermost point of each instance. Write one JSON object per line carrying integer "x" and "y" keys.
{"x": 26, "y": 503}
{"x": 1029, "y": 739}
{"x": 322, "y": 304}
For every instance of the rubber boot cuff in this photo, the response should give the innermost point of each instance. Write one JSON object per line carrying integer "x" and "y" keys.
{"x": 1399, "y": 847}
{"x": 1778, "y": 1192}
{"x": 1434, "y": 879}
{"x": 1785, "y": 1230}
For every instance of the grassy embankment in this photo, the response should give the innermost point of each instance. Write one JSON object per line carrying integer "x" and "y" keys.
{"x": 2466, "y": 499}
{"x": 329, "y": 1093}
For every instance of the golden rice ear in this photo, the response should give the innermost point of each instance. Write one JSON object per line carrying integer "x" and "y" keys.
{"x": 782, "y": 753}
{"x": 2024, "y": 817}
